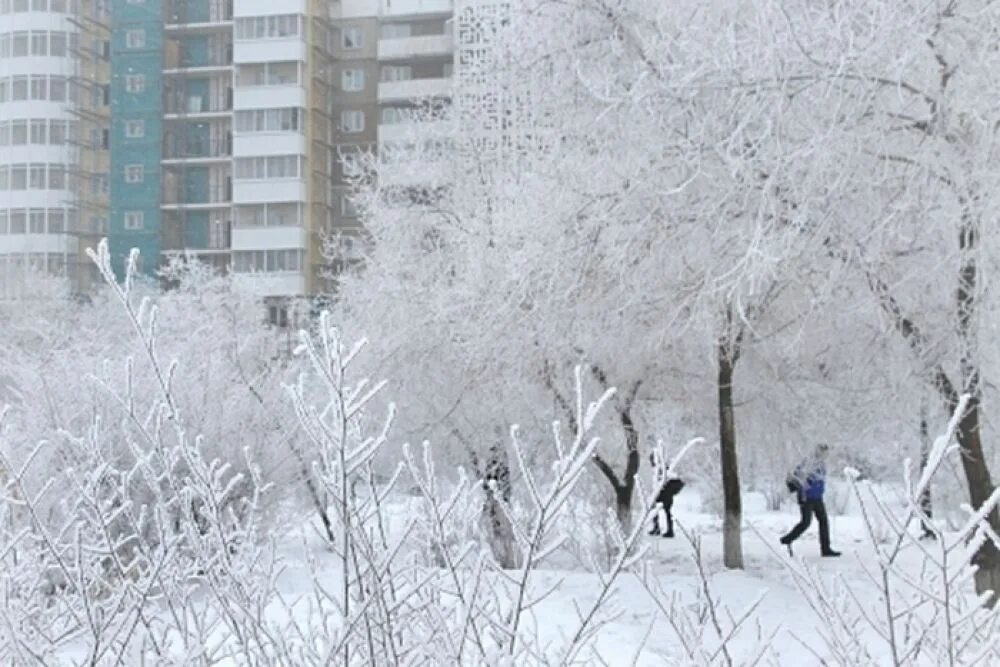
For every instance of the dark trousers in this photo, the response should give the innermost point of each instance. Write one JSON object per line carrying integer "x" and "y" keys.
{"x": 665, "y": 498}
{"x": 808, "y": 508}
{"x": 667, "y": 506}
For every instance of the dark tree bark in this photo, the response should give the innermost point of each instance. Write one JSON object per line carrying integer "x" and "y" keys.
{"x": 728, "y": 354}
{"x": 926, "y": 505}
{"x": 495, "y": 476}
{"x": 969, "y": 435}
{"x": 623, "y": 487}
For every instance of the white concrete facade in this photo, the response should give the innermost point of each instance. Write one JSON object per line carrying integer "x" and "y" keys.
{"x": 38, "y": 158}
{"x": 261, "y": 40}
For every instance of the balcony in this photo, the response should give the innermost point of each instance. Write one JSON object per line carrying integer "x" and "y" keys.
{"x": 196, "y": 235}
{"x": 179, "y": 105}
{"x": 413, "y": 89}
{"x": 184, "y": 61}
{"x": 407, "y": 48}
{"x": 394, "y": 8}
{"x": 201, "y": 17}
{"x": 194, "y": 199}
{"x": 197, "y": 149}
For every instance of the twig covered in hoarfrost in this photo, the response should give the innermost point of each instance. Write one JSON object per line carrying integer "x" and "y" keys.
{"x": 928, "y": 619}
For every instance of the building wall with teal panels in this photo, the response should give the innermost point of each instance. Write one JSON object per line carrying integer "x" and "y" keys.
{"x": 135, "y": 59}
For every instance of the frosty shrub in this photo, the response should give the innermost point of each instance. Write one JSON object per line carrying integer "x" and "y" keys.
{"x": 924, "y": 614}
{"x": 138, "y": 543}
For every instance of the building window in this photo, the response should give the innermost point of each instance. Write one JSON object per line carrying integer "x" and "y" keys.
{"x": 18, "y": 132}
{"x": 58, "y": 133}
{"x": 268, "y": 260}
{"x": 133, "y": 220}
{"x": 36, "y": 221}
{"x": 348, "y": 208}
{"x": 352, "y": 37}
{"x": 57, "y": 44}
{"x": 267, "y": 74}
{"x": 38, "y": 87}
{"x": 19, "y": 88}
{"x": 268, "y": 215}
{"x": 57, "y": 177}
{"x": 277, "y": 315}
{"x": 135, "y": 129}
{"x": 135, "y": 38}
{"x": 265, "y": 27}
{"x": 39, "y": 44}
{"x": 393, "y": 115}
{"x": 396, "y": 73}
{"x": 353, "y": 80}
{"x": 57, "y": 221}
{"x": 352, "y": 121}
{"x": 135, "y": 83}
{"x": 133, "y": 173}
{"x": 269, "y": 120}
{"x": 36, "y": 177}
{"x": 38, "y": 131}
{"x": 19, "y": 44}
{"x": 278, "y": 166}
{"x": 18, "y": 222}
{"x": 57, "y": 89}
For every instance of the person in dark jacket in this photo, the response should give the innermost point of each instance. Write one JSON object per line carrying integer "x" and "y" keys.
{"x": 669, "y": 487}
{"x": 809, "y": 482}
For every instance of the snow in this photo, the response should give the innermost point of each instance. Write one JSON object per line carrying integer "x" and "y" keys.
{"x": 639, "y": 626}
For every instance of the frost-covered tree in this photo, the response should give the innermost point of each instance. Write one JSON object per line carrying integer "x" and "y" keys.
{"x": 914, "y": 225}
{"x": 668, "y": 189}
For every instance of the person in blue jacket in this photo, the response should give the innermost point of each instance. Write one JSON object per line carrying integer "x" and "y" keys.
{"x": 809, "y": 482}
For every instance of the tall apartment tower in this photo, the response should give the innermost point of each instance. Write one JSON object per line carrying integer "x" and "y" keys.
{"x": 220, "y": 137}
{"x": 391, "y": 57}
{"x": 282, "y": 147}
{"x": 171, "y": 130}
{"x": 234, "y": 124}
{"x": 53, "y": 139}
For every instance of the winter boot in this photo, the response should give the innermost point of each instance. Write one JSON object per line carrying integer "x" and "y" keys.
{"x": 788, "y": 545}
{"x": 830, "y": 553}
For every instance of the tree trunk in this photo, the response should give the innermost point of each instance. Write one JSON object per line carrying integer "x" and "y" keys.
{"x": 977, "y": 474}
{"x": 732, "y": 518}
{"x": 623, "y": 488}
{"x": 969, "y": 435}
{"x": 980, "y": 488}
{"x": 497, "y": 488}
{"x": 925, "y": 450}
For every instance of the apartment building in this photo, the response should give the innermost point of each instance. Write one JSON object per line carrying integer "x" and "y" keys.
{"x": 53, "y": 139}
{"x": 225, "y": 130}
{"x": 392, "y": 57}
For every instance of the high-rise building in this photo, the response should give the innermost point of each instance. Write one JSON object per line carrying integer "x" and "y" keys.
{"x": 53, "y": 139}
{"x": 220, "y": 129}
{"x": 393, "y": 58}
{"x": 282, "y": 147}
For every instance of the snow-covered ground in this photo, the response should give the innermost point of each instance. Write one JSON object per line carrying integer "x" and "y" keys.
{"x": 639, "y": 633}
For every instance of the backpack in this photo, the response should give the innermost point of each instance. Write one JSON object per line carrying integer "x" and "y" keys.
{"x": 793, "y": 483}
